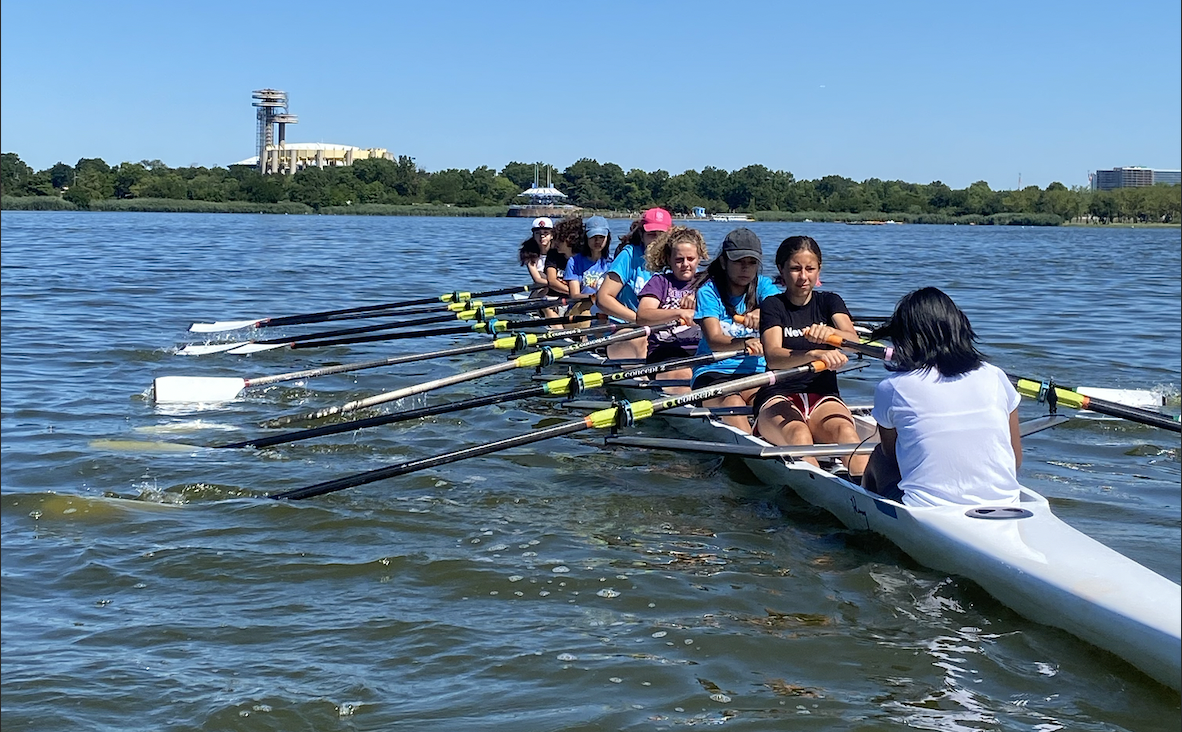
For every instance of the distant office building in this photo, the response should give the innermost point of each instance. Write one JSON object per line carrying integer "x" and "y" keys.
{"x": 1133, "y": 177}
{"x": 1171, "y": 177}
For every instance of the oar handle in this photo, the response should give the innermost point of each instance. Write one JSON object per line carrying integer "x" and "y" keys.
{"x": 869, "y": 349}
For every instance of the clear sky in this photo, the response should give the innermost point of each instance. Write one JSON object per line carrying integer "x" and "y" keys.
{"x": 915, "y": 91}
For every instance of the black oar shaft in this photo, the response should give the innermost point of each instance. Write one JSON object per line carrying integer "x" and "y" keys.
{"x": 425, "y": 463}
{"x": 1067, "y": 397}
{"x": 560, "y": 386}
{"x": 392, "y": 361}
{"x": 501, "y": 327}
{"x": 345, "y": 313}
{"x": 603, "y": 418}
{"x": 384, "y": 419}
{"x": 516, "y": 308}
{"x": 1134, "y": 414}
{"x": 537, "y": 358}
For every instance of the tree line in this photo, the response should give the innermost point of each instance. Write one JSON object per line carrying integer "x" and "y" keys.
{"x": 754, "y": 189}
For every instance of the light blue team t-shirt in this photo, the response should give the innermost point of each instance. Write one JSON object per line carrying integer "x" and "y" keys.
{"x": 629, "y": 267}
{"x": 589, "y": 274}
{"x": 710, "y": 306}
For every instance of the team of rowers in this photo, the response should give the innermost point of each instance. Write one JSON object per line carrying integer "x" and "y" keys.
{"x": 947, "y": 419}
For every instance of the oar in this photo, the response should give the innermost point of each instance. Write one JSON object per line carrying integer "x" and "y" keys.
{"x": 266, "y": 344}
{"x": 1043, "y": 391}
{"x": 623, "y": 414}
{"x": 565, "y": 386}
{"x": 212, "y": 389}
{"x": 326, "y": 315}
{"x": 492, "y": 327}
{"x": 544, "y": 357}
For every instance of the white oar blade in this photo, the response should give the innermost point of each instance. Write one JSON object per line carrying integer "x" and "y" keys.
{"x": 220, "y": 326}
{"x": 1142, "y": 398}
{"x": 256, "y": 347}
{"x": 197, "y": 389}
{"x": 199, "y": 349}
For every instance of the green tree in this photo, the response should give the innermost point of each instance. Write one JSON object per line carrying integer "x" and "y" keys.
{"x": 445, "y": 186}
{"x": 713, "y": 185}
{"x": 521, "y": 175}
{"x": 1059, "y": 201}
{"x": 127, "y": 178}
{"x": 206, "y": 187}
{"x": 1023, "y": 201}
{"x": 981, "y": 200}
{"x": 61, "y": 175}
{"x": 14, "y": 175}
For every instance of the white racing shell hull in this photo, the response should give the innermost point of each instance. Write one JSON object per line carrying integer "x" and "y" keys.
{"x": 1036, "y": 564}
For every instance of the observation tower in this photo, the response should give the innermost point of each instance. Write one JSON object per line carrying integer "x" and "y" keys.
{"x": 272, "y": 113}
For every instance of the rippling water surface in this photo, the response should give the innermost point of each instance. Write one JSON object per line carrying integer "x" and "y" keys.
{"x": 563, "y": 586}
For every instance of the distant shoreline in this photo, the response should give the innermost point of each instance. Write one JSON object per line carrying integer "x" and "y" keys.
{"x": 168, "y": 205}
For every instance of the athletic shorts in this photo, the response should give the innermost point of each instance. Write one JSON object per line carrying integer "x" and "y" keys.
{"x": 804, "y": 403}
{"x": 667, "y": 352}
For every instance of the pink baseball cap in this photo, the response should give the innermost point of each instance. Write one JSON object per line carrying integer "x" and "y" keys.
{"x": 542, "y": 222}
{"x": 656, "y": 219}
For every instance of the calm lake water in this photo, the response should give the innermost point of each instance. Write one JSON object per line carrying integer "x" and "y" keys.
{"x": 560, "y": 587}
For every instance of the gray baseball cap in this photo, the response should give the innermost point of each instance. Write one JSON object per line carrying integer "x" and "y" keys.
{"x": 742, "y": 243}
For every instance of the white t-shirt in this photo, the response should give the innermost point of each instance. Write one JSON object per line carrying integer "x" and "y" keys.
{"x": 954, "y": 435}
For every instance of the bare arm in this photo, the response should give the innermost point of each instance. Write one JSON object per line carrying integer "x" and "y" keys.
{"x": 651, "y": 313}
{"x": 779, "y": 357}
{"x": 535, "y": 275}
{"x": 608, "y": 294}
{"x": 1016, "y": 439}
{"x": 719, "y": 341}
{"x": 574, "y": 287}
{"x": 555, "y": 281}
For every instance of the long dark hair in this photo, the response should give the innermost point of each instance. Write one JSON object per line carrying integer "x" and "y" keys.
{"x": 716, "y": 273}
{"x": 529, "y": 249}
{"x": 634, "y": 237}
{"x": 582, "y": 247}
{"x": 928, "y": 331}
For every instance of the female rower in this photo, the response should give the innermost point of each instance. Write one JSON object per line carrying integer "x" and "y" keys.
{"x": 731, "y": 286}
{"x": 567, "y": 233}
{"x": 670, "y": 293}
{"x": 590, "y": 261}
{"x": 618, "y": 293}
{"x": 948, "y": 420}
{"x": 793, "y": 327}
{"x": 532, "y": 253}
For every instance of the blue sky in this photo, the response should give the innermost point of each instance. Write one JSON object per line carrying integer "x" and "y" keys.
{"x": 915, "y": 91}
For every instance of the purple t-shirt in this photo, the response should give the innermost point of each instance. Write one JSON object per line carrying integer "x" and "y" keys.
{"x": 669, "y": 292}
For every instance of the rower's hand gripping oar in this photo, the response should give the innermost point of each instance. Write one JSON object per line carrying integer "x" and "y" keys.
{"x": 1046, "y": 391}
{"x": 623, "y": 414}
{"x": 544, "y": 357}
{"x": 213, "y": 389}
{"x": 253, "y": 346}
{"x": 568, "y": 386}
{"x": 326, "y": 315}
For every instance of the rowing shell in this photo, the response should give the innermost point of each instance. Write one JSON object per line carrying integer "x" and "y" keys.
{"x": 1023, "y": 555}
